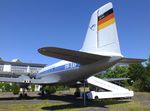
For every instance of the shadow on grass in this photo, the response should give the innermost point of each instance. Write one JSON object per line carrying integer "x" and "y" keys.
{"x": 61, "y": 107}
{"x": 72, "y": 106}
{"x": 67, "y": 102}
{"x": 73, "y": 102}
{"x": 17, "y": 98}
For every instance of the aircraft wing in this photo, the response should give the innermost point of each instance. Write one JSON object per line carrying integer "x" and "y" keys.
{"x": 131, "y": 60}
{"x": 71, "y": 55}
{"x": 25, "y": 80}
{"x": 7, "y": 79}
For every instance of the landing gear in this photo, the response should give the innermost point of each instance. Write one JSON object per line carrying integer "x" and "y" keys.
{"x": 23, "y": 93}
{"x": 42, "y": 91}
{"x": 84, "y": 94}
{"x": 77, "y": 92}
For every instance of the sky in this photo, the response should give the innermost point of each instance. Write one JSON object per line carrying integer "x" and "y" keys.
{"x": 27, "y": 25}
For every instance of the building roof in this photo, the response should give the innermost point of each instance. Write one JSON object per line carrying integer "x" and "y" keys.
{"x": 16, "y": 60}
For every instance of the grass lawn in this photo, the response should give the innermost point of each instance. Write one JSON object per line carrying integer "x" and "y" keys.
{"x": 140, "y": 102}
{"x": 44, "y": 106}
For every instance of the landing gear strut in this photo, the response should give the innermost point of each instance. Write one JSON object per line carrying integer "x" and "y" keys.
{"x": 23, "y": 94}
{"x": 42, "y": 91}
{"x": 77, "y": 92}
{"x": 84, "y": 99}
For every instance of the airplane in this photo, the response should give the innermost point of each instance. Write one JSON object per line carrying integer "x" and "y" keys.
{"x": 100, "y": 51}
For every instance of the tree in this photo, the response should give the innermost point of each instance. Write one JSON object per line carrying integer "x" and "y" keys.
{"x": 147, "y": 82}
{"x": 7, "y": 87}
{"x": 32, "y": 87}
{"x": 116, "y": 72}
{"x": 50, "y": 89}
{"x": 15, "y": 89}
{"x": 139, "y": 76}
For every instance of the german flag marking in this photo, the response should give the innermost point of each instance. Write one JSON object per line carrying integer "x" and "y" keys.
{"x": 106, "y": 19}
{"x": 105, "y": 14}
{"x": 107, "y": 23}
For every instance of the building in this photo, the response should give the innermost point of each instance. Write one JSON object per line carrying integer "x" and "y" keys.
{"x": 16, "y": 68}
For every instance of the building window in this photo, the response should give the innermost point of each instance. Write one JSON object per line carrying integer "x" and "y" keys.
{"x": 18, "y": 69}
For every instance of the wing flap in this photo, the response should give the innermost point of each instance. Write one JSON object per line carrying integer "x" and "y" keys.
{"x": 71, "y": 55}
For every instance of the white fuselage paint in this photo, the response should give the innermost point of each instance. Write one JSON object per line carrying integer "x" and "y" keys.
{"x": 65, "y": 71}
{"x": 102, "y": 42}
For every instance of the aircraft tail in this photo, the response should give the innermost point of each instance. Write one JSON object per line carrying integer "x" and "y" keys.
{"x": 102, "y": 37}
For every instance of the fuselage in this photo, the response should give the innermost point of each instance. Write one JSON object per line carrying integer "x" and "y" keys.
{"x": 101, "y": 47}
{"x": 65, "y": 71}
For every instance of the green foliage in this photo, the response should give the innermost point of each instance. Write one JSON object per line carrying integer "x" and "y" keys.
{"x": 5, "y": 87}
{"x": 53, "y": 89}
{"x": 139, "y": 75}
{"x": 136, "y": 71}
{"x": 32, "y": 87}
{"x": 147, "y": 81}
{"x": 116, "y": 72}
{"x": 50, "y": 89}
{"x": 61, "y": 87}
{"x": 15, "y": 89}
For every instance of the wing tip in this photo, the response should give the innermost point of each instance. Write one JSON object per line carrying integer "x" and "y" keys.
{"x": 44, "y": 50}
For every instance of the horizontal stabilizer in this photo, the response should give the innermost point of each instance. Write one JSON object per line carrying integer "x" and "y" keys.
{"x": 71, "y": 55}
{"x": 131, "y": 60}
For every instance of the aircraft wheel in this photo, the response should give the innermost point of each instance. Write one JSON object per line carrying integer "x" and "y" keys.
{"x": 25, "y": 95}
{"x": 96, "y": 97}
{"x": 20, "y": 95}
{"x": 77, "y": 94}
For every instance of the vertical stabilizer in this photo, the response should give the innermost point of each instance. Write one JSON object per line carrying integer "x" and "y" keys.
{"x": 102, "y": 37}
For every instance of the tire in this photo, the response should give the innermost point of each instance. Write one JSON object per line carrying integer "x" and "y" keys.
{"x": 96, "y": 97}
{"x": 25, "y": 95}
{"x": 20, "y": 96}
{"x": 77, "y": 94}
